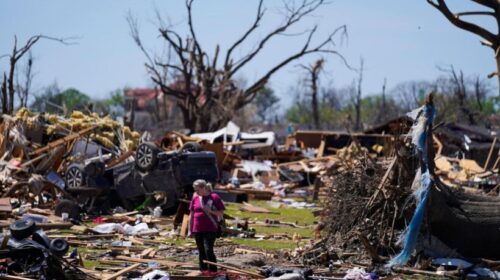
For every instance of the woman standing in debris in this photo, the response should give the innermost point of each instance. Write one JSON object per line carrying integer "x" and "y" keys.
{"x": 206, "y": 210}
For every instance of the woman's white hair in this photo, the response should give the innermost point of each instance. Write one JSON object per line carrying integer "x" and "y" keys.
{"x": 199, "y": 183}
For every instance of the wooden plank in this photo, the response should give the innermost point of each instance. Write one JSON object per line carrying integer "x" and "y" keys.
{"x": 496, "y": 162}
{"x": 185, "y": 225}
{"x": 321, "y": 149}
{"x": 146, "y": 252}
{"x": 123, "y": 271}
{"x": 5, "y": 241}
{"x": 491, "y": 152}
{"x": 170, "y": 264}
{"x": 326, "y": 158}
{"x": 63, "y": 140}
{"x": 12, "y": 277}
{"x": 254, "y": 209}
{"x": 126, "y": 214}
{"x": 246, "y": 272}
{"x": 382, "y": 182}
{"x": 5, "y": 205}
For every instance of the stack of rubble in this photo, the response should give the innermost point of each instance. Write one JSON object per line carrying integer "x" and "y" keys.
{"x": 37, "y": 148}
{"x": 363, "y": 206}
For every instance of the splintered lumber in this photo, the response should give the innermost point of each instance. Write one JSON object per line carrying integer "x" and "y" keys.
{"x": 321, "y": 149}
{"x": 123, "y": 271}
{"x": 246, "y": 272}
{"x": 185, "y": 226}
{"x": 11, "y": 277}
{"x": 5, "y": 205}
{"x": 254, "y": 209}
{"x": 382, "y": 182}
{"x": 125, "y": 214}
{"x": 491, "y": 152}
{"x": 146, "y": 252}
{"x": 5, "y": 241}
{"x": 63, "y": 140}
{"x": 161, "y": 262}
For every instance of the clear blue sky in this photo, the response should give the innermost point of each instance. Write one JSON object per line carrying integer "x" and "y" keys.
{"x": 399, "y": 40}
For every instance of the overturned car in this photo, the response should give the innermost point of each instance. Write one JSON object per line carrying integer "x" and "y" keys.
{"x": 152, "y": 177}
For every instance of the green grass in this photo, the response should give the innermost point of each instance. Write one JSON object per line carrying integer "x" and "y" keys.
{"x": 304, "y": 232}
{"x": 268, "y": 245}
{"x": 90, "y": 264}
{"x": 302, "y": 217}
{"x": 289, "y": 215}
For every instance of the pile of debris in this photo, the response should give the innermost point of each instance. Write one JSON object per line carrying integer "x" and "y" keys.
{"x": 363, "y": 212}
{"x": 38, "y": 151}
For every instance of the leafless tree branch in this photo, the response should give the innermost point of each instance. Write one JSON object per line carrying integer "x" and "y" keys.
{"x": 441, "y": 6}
{"x": 476, "y": 13}
{"x": 8, "y": 89}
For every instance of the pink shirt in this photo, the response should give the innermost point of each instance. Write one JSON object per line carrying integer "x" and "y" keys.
{"x": 200, "y": 222}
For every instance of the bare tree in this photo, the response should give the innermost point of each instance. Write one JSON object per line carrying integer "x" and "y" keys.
{"x": 357, "y": 97}
{"x": 23, "y": 87}
{"x": 481, "y": 90}
{"x": 314, "y": 71}
{"x": 489, "y": 38}
{"x": 204, "y": 85}
{"x": 410, "y": 94}
{"x": 383, "y": 106}
{"x": 459, "y": 89}
{"x": 8, "y": 89}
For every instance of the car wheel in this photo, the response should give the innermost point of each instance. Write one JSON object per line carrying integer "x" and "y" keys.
{"x": 146, "y": 156}
{"x": 59, "y": 246}
{"x": 68, "y": 206}
{"x": 22, "y": 229}
{"x": 75, "y": 176}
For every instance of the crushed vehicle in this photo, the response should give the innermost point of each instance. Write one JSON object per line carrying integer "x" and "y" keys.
{"x": 31, "y": 253}
{"x": 152, "y": 177}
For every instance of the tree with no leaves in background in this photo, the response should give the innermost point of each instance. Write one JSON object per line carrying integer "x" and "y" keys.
{"x": 266, "y": 104}
{"x": 357, "y": 97}
{"x": 489, "y": 38}
{"x": 314, "y": 71}
{"x": 8, "y": 90}
{"x": 204, "y": 85}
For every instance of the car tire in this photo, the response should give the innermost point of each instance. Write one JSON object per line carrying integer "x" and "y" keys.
{"x": 59, "y": 246}
{"x": 191, "y": 147}
{"x": 146, "y": 156}
{"x": 75, "y": 176}
{"x": 68, "y": 206}
{"x": 22, "y": 229}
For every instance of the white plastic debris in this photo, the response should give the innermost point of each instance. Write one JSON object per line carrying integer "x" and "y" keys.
{"x": 287, "y": 276}
{"x": 141, "y": 228}
{"x": 357, "y": 274}
{"x": 155, "y": 275}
